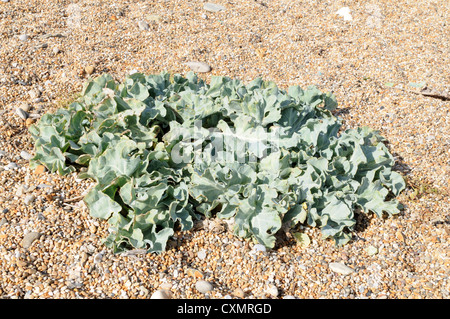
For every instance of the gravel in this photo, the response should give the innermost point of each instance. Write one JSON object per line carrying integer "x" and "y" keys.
{"x": 368, "y": 62}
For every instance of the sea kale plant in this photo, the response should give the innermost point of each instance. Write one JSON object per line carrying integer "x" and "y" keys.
{"x": 165, "y": 149}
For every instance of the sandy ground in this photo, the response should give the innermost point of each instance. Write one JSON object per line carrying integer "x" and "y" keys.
{"x": 388, "y": 65}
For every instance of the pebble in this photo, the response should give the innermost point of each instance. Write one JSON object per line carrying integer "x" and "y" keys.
{"x": 212, "y": 7}
{"x": 40, "y": 169}
{"x": 12, "y": 165}
{"x": 371, "y": 250}
{"x": 25, "y": 106}
{"x": 25, "y": 155}
{"x": 161, "y": 294}
{"x": 259, "y": 247}
{"x": 56, "y": 50}
{"x": 29, "y": 238}
{"x": 98, "y": 257}
{"x": 194, "y": 273}
{"x": 341, "y": 268}
{"x": 29, "y": 199}
{"x": 93, "y": 229}
{"x": 143, "y": 25}
{"x": 238, "y": 243}
{"x": 23, "y": 37}
{"x": 200, "y": 67}
{"x": 203, "y": 286}
{"x": 20, "y": 190}
{"x": 166, "y": 286}
{"x": 345, "y": 13}
{"x": 42, "y": 46}
{"x": 239, "y": 293}
{"x": 89, "y": 69}
{"x": 272, "y": 290}
{"x": 83, "y": 257}
{"x": 201, "y": 254}
{"x": 34, "y": 94}
{"x": 21, "y": 113}
{"x": 154, "y": 17}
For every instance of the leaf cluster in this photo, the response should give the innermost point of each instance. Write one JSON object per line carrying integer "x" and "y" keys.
{"x": 164, "y": 150}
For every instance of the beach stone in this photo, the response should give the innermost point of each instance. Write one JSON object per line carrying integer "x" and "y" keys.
{"x": 42, "y": 46}
{"x": 154, "y": 17}
{"x": 259, "y": 247}
{"x": 143, "y": 26}
{"x": 25, "y": 106}
{"x": 194, "y": 273}
{"x": 345, "y": 13}
{"x": 98, "y": 257}
{"x": 34, "y": 94}
{"x": 21, "y": 113}
{"x": 25, "y": 155}
{"x": 23, "y": 37}
{"x": 272, "y": 290}
{"x": 203, "y": 286}
{"x": 40, "y": 169}
{"x": 341, "y": 268}
{"x": 239, "y": 293}
{"x": 371, "y": 250}
{"x": 12, "y": 165}
{"x": 20, "y": 190}
{"x": 165, "y": 286}
{"x": 161, "y": 294}
{"x": 83, "y": 258}
{"x": 199, "y": 67}
{"x": 29, "y": 121}
{"x": 89, "y": 69}
{"x": 29, "y": 238}
{"x": 201, "y": 254}
{"x": 212, "y": 7}
{"x": 29, "y": 199}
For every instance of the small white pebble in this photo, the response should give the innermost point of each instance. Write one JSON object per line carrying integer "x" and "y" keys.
{"x": 23, "y": 37}
{"x": 201, "y": 254}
